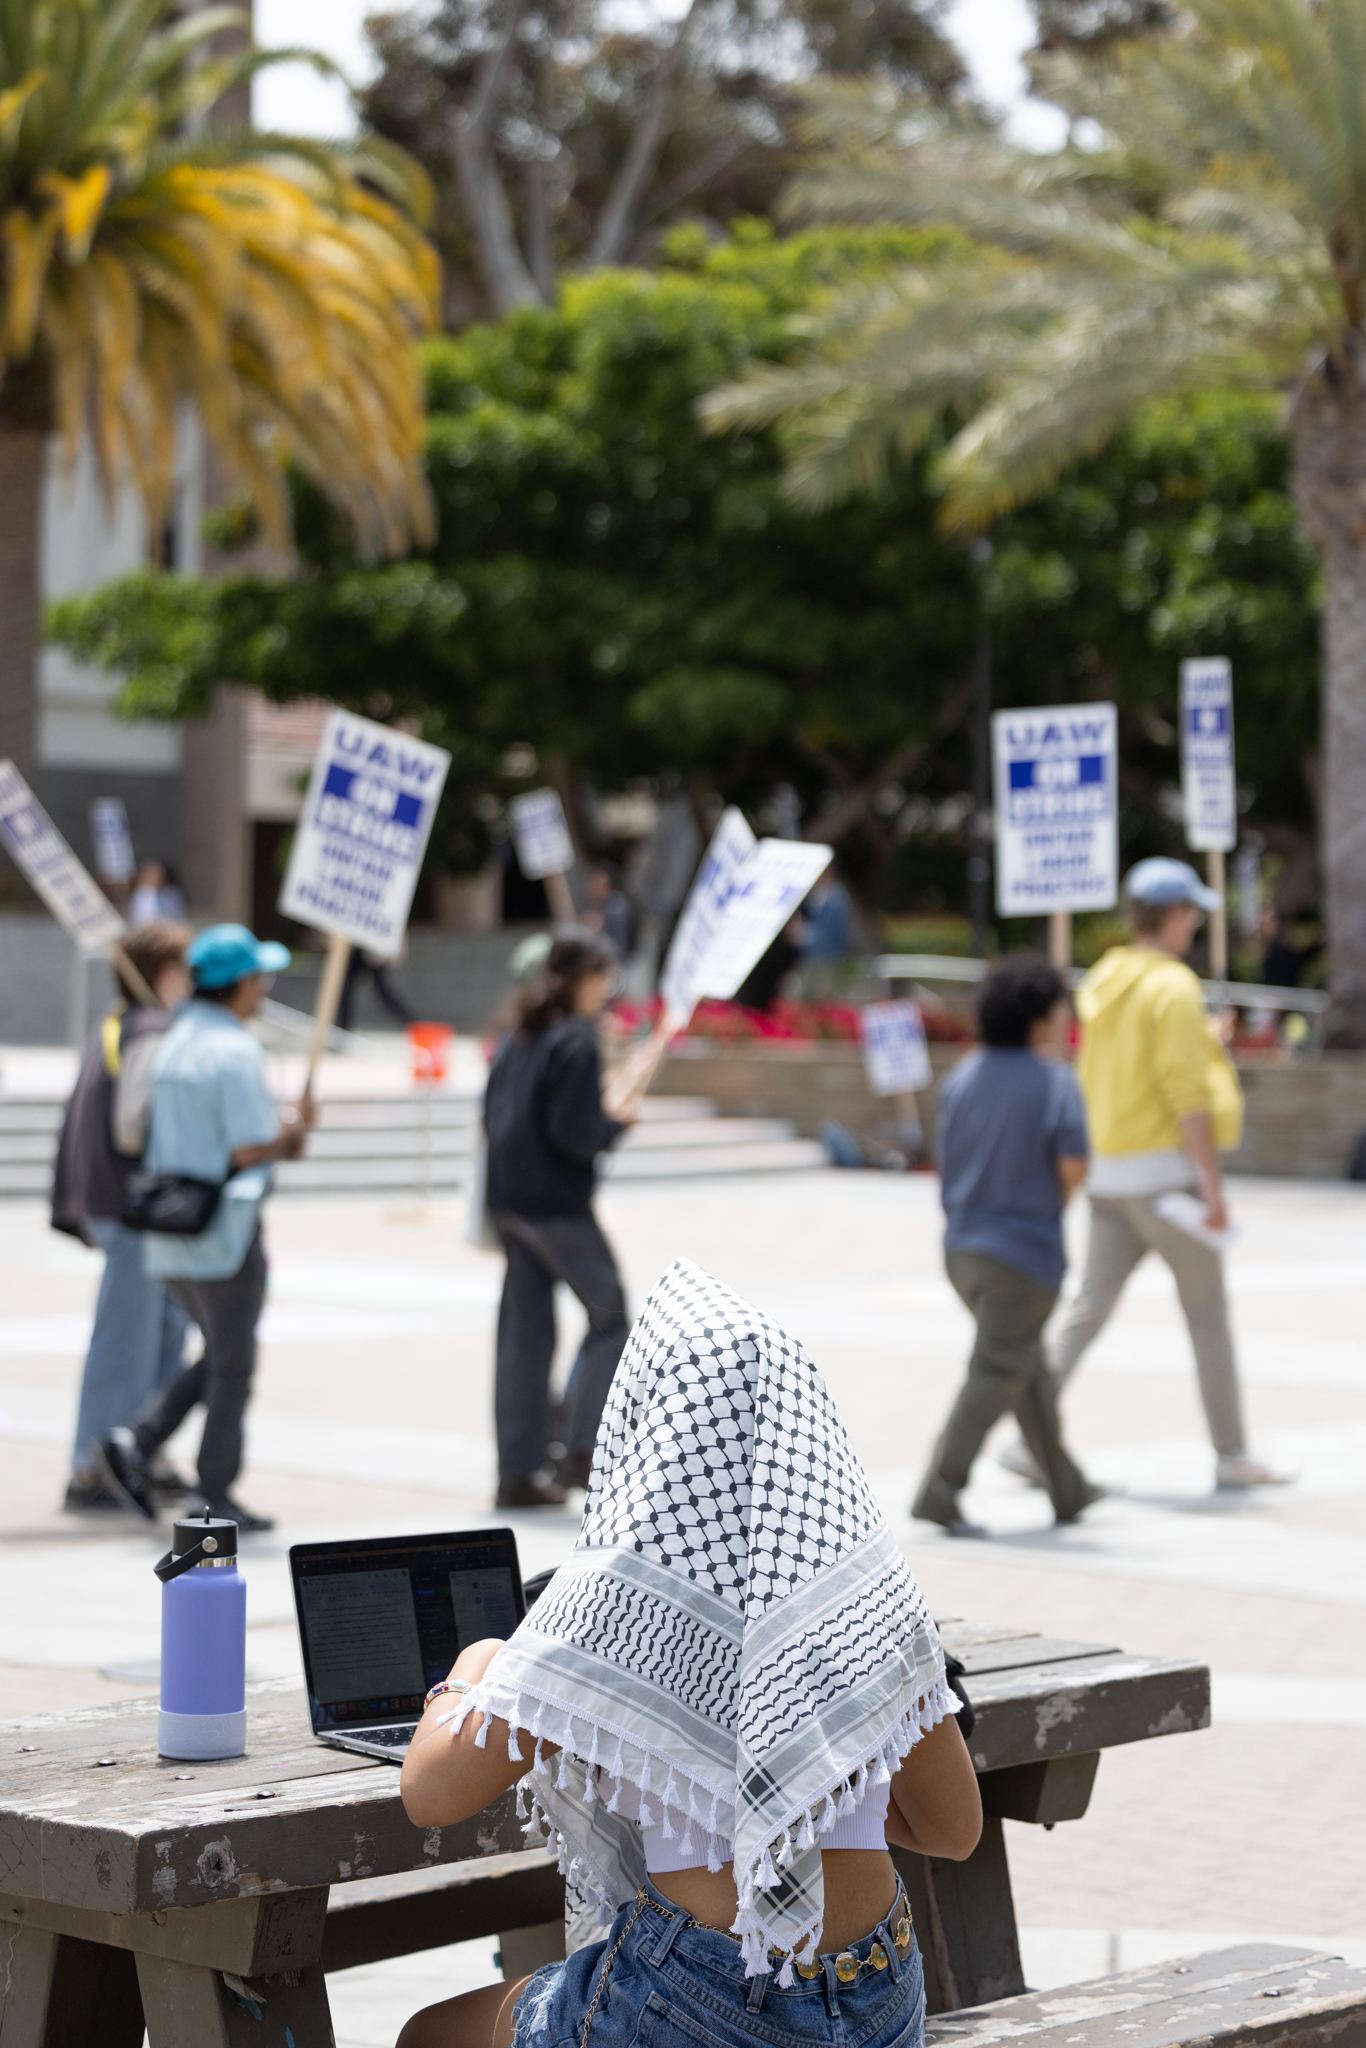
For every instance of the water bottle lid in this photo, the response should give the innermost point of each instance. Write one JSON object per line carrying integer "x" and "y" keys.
{"x": 214, "y": 1533}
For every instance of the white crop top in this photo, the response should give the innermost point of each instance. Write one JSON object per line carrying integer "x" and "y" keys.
{"x": 864, "y": 1829}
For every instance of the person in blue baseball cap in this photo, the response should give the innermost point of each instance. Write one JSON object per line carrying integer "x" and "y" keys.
{"x": 213, "y": 1120}
{"x": 1162, "y": 1101}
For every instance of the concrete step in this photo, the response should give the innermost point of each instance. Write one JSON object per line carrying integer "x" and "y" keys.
{"x": 419, "y": 1142}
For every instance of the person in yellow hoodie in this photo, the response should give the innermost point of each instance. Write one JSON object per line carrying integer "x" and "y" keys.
{"x": 1162, "y": 1101}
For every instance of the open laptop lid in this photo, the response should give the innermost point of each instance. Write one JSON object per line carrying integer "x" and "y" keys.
{"x": 380, "y": 1620}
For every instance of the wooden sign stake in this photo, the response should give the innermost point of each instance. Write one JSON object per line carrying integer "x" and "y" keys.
{"x": 1060, "y": 940}
{"x": 329, "y": 995}
{"x": 560, "y": 901}
{"x": 1218, "y": 919}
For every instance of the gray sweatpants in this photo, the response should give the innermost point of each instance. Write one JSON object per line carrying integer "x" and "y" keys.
{"x": 1122, "y": 1230}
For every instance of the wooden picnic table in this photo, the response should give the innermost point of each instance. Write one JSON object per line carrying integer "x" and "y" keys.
{"x": 208, "y": 1901}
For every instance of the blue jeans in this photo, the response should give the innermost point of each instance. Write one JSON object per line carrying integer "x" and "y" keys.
{"x": 136, "y": 1344}
{"x": 673, "y": 1984}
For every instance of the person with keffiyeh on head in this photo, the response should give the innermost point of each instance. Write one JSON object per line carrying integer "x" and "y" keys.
{"x": 724, "y": 1706}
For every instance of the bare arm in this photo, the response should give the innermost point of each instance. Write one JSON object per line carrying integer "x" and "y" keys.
{"x": 445, "y": 1777}
{"x": 935, "y": 1807}
{"x": 288, "y": 1142}
{"x": 1071, "y": 1174}
{"x": 1197, "y": 1135}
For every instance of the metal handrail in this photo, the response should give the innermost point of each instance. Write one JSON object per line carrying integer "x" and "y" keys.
{"x": 1242, "y": 995}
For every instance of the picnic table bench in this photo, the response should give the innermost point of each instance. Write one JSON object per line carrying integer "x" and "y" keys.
{"x": 208, "y": 1902}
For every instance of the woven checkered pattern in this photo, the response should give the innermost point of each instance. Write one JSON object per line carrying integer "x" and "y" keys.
{"x": 736, "y": 1634}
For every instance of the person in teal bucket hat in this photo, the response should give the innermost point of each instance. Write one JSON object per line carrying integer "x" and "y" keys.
{"x": 213, "y": 1119}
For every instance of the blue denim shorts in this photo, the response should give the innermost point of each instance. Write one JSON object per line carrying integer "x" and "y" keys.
{"x": 673, "y": 1984}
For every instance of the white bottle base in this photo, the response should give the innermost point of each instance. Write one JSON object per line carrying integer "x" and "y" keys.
{"x": 201, "y": 1738}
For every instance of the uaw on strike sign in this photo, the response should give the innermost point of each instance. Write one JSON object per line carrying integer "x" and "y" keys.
{"x": 362, "y": 832}
{"x": 1056, "y": 810}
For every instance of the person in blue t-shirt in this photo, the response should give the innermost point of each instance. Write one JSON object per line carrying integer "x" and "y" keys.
{"x": 1012, "y": 1148}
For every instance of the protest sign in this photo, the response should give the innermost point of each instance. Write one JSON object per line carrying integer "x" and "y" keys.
{"x": 774, "y": 878}
{"x": 896, "y": 1058}
{"x": 1056, "y": 812}
{"x": 362, "y": 832}
{"x": 41, "y": 854}
{"x": 545, "y": 851}
{"x": 540, "y": 834}
{"x": 731, "y": 844}
{"x": 1209, "y": 793}
{"x": 113, "y": 845}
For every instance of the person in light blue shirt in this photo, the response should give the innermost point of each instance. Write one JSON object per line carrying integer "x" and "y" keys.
{"x": 1013, "y": 1147}
{"x": 212, "y": 1119}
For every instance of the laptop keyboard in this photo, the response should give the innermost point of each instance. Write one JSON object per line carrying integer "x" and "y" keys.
{"x": 392, "y": 1738}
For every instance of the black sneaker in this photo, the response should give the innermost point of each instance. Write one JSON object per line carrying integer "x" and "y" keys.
{"x": 84, "y": 1496}
{"x": 248, "y": 1524}
{"x": 125, "y": 1473}
{"x": 165, "y": 1481}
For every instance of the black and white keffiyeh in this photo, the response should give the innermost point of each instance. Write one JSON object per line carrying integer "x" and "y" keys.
{"x": 736, "y": 1634}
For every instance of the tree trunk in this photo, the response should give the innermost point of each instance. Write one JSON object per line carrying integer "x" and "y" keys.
{"x": 22, "y": 452}
{"x": 1330, "y": 488}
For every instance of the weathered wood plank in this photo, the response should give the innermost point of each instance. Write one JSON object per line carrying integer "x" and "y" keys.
{"x": 56, "y": 1992}
{"x": 964, "y": 1918}
{"x": 188, "y": 2007}
{"x": 1085, "y": 1704}
{"x": 1254, "y": 1996}
{"x": 1041, "y": 1794}
{"x": 281, "y": 1931}
{"x": 398, "y": 1916}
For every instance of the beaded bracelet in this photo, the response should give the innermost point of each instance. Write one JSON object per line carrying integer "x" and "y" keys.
{"x": 446, "y": 1685}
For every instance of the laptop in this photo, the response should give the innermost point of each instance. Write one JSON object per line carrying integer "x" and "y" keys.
{"x": 381, "y": 1620}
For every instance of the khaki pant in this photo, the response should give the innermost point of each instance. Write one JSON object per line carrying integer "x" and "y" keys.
{"x": 1006, "y": 1371}
{"x": 1122, "y": 1230}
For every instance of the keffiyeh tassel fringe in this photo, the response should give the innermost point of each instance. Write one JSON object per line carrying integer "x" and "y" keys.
{"x": 841, "y": 1798}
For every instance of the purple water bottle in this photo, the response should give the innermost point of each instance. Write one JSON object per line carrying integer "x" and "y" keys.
{"x": 203, "y": 1643}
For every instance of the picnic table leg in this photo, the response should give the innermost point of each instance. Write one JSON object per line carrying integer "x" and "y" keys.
{"x": 190, "y": 2006}
{"x": 60, "y": 1992}
{"x": 965, "y": 1923}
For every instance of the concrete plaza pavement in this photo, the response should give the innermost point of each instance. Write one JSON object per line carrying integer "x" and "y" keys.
{"x": 373, "y": 1414}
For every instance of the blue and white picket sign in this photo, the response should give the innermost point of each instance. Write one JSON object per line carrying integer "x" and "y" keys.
{"x": 773, "y": 880}
{"x": 113, "y": 842}
{"x": 896, "y": 1058}
{"x": 540, "y": 835}
{"x": 362, "y": 832}
{"x": 41, "y": 854}
{"x": 1209, "y": 790}
{"x": 1056, "y": 810}
{"x": 731, "y": 845}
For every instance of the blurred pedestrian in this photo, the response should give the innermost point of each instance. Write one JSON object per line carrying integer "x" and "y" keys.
{"x": 546, "y": 1130}
{"x": 156, "y": 894}
{"x": 1162, "y": 1099}
{"x": 827, "y": 915}
{"x": 214, "y": 1121}
{"x": 372, "y": 965}
{"x": 1012, "y": 1145}
{"x": 609, "y": 909}
{"x": 137, "y": 1342}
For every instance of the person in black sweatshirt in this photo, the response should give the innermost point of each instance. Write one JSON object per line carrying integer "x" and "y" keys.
{"x": 546, "y": 1128}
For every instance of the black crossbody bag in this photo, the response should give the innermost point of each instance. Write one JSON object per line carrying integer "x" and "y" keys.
{"x": 171, "y": 1203}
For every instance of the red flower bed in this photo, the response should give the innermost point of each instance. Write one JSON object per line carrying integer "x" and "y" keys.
{"x": 787, "y": 1021}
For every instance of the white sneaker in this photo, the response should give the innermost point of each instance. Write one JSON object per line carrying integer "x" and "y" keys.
{"x": 1015, "y": 1457}
{"x": 1237, "y": 1475}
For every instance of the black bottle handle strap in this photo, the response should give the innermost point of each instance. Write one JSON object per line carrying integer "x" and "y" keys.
{"x": 172, "y": 1566}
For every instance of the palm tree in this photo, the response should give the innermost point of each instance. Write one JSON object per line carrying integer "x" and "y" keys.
{"x": 152, "y": 262}
{"x": 1209, "y": 227}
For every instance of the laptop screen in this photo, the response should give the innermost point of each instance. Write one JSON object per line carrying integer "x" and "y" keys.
{"x": 382, "y": 1620}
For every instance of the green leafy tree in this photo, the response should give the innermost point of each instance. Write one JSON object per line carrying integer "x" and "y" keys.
{"x": 634, "y": 596}
{"x": 1216, "y": 234}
